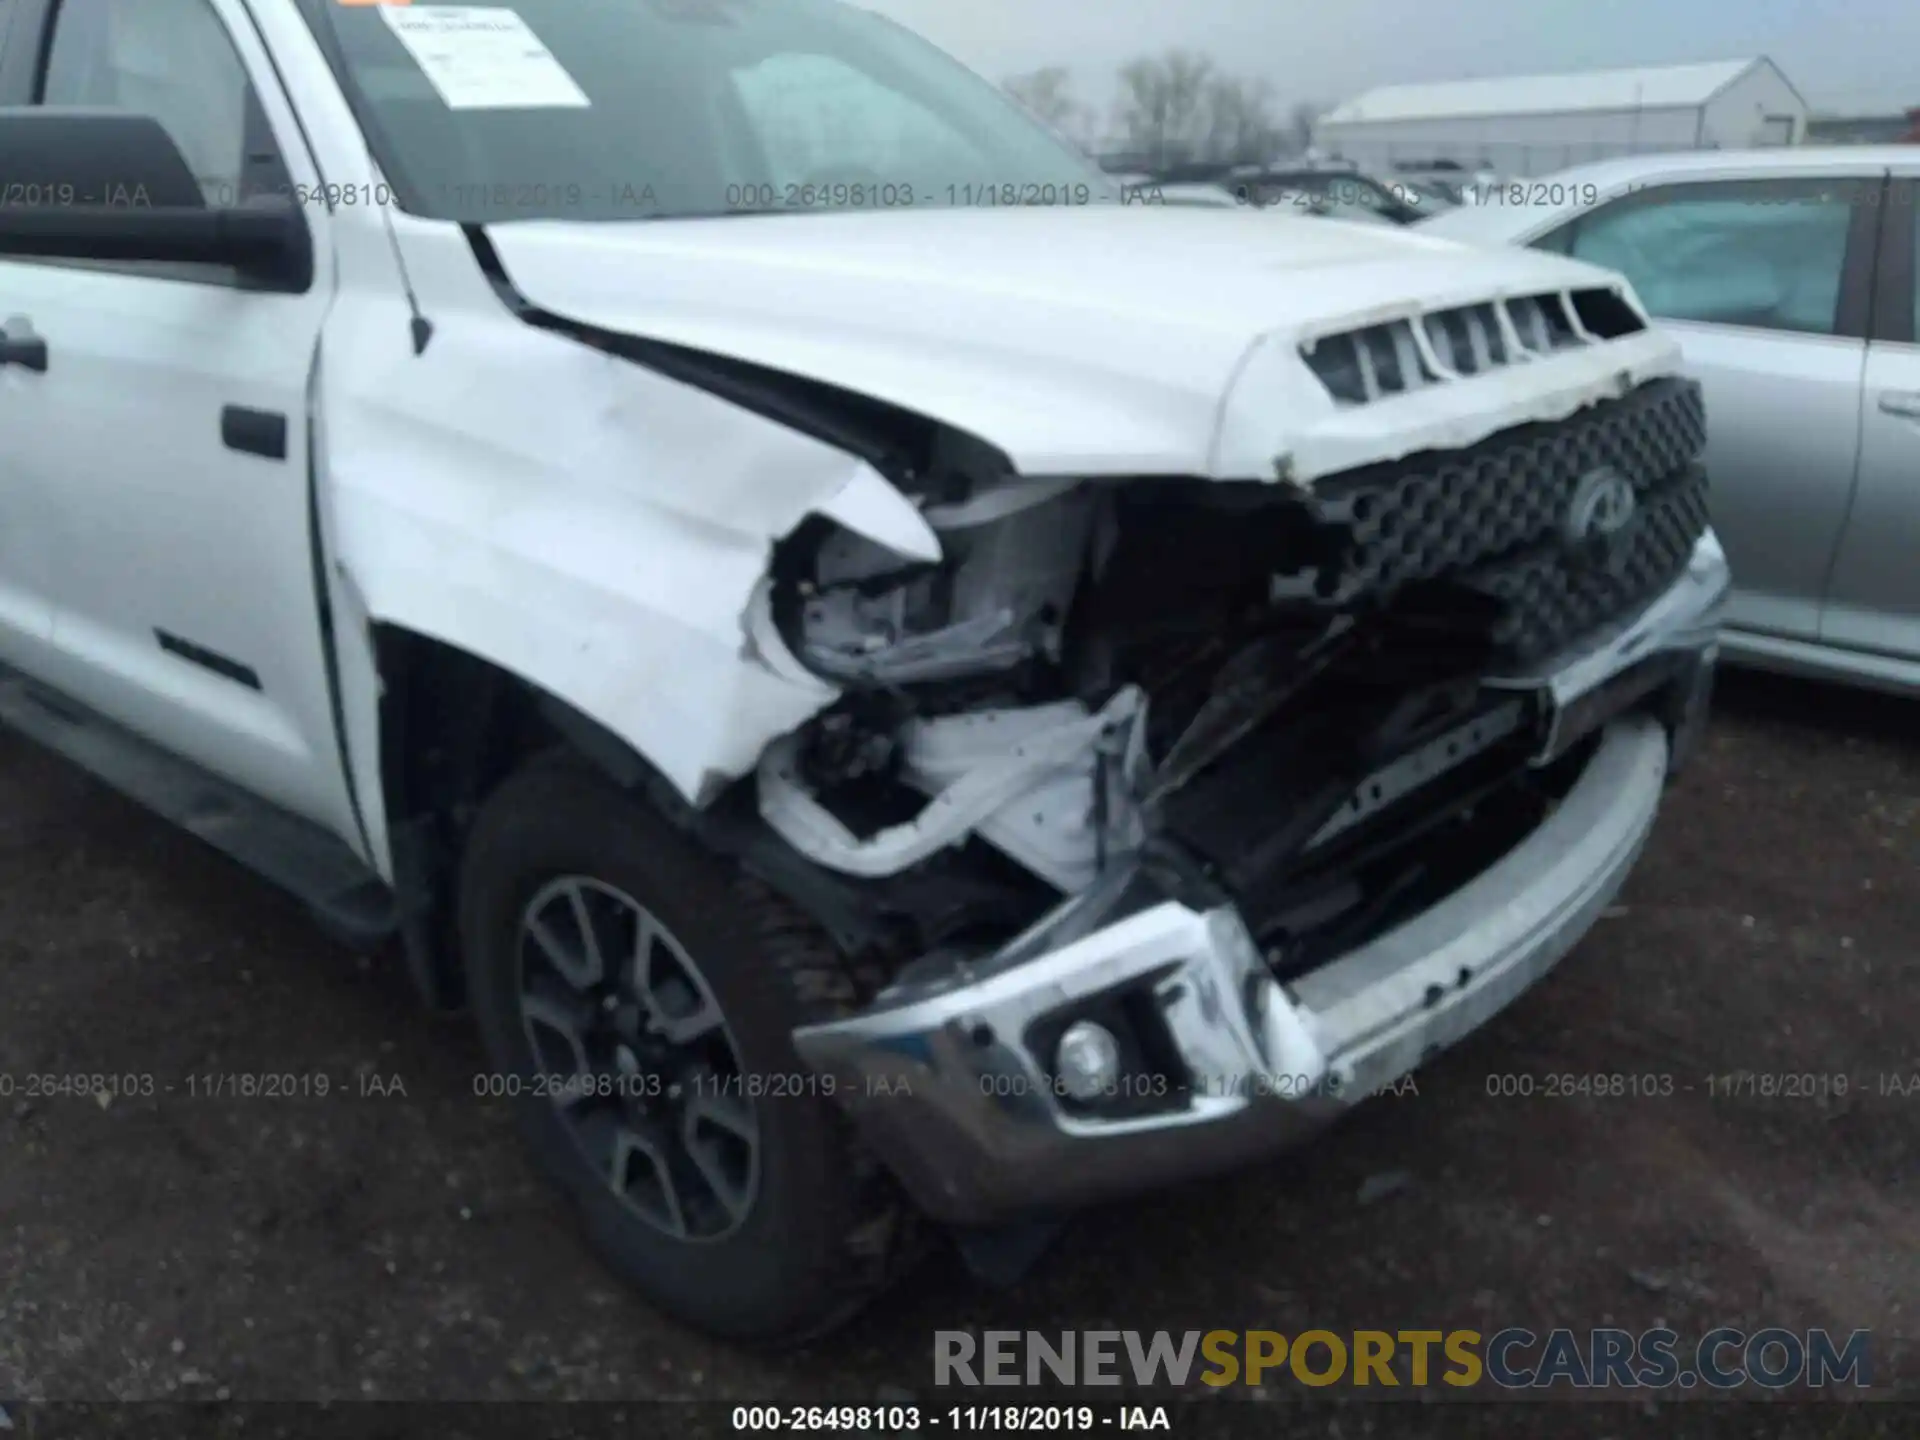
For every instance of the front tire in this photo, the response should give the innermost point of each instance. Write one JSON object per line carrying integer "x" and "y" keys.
{"x": 636, "y": 996}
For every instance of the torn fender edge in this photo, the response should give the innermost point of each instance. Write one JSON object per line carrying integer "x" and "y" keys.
{"x": 614, "y": 565}
{"x": 870, "y": 507}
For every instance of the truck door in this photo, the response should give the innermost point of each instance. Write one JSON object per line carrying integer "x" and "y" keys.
{"x": 168, "y": 428}
{"x": 1873, "y": 599}
{"x": 26, "y": 520}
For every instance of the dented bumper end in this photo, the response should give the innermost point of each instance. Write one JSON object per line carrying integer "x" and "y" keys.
{"x": 955, "y": 1074}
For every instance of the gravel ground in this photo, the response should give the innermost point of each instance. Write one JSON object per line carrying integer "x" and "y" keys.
{"x": 393, "y": 1245}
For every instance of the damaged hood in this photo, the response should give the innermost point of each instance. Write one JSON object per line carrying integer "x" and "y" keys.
{"x": 1079, "y": 341}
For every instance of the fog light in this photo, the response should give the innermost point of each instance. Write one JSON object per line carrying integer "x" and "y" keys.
{"x": 1087, "y": 1060}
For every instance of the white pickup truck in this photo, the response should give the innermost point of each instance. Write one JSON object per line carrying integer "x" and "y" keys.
{"x": 899, "y": 683}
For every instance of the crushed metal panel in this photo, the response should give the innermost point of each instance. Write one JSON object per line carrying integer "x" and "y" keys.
{"x": 1024, "y": 780}
{"x": 611, "y": 563}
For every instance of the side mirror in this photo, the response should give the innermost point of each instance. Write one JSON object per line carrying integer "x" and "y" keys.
{"x": 112, "y": 185}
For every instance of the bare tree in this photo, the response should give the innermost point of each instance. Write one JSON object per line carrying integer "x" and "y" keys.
{"x": 1240, "y": 125}
{"x": 1047, "y": 95}
{"x": 1300, "y": 122}
{"x": 1162, "y": 106}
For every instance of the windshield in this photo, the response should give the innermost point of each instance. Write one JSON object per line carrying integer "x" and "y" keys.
{"x": 630, "y": 109}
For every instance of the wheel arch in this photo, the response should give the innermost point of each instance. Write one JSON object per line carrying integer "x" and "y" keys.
{"x": 454, "y": 725}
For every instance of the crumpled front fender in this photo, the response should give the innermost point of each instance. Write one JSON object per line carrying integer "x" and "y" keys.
{"x": 587, "y": 525}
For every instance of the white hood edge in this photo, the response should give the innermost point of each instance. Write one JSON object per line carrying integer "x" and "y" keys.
{"x": 1100, "y": 341}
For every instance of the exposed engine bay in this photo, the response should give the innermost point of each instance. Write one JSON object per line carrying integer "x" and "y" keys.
{"x": 1291, "y": 687}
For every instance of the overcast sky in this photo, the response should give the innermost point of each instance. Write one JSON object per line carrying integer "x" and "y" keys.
{"x": 1843, "y": 55}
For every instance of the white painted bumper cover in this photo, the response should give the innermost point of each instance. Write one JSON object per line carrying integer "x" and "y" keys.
{"x": 947, "y": 1087}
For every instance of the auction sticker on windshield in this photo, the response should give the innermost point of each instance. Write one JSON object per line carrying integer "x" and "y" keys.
{"x": 479, "y": 57}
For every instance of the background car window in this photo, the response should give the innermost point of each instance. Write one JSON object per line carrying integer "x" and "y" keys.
{"x": 1347, "y": 205}
{"x": 1353, "y": 195}
{"x": 170, "y": 59}
{"x": 1765, "y": 256}
{"x": 1341, "y": 199}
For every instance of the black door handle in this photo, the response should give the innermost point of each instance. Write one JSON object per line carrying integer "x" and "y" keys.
{"x": 28, "y": 350}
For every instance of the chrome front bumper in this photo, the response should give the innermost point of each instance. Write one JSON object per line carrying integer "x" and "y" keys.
{"x": 948, "y": 1077}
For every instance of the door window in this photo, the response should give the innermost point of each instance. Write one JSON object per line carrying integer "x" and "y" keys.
{"x": 1911, "y": 192}
{"x": 170, "y": 59}
{"x": 1767, "y": 255}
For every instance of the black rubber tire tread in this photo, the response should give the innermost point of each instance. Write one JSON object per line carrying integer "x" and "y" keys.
{"x": 829, "y": 1229}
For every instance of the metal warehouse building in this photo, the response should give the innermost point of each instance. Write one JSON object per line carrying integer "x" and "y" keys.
{"x": 1535, "y": 124}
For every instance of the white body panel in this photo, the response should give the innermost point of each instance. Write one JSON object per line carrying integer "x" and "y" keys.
{"x": 145, "y": 522}
{"x": 1131, "y": 340}
{"x": 582, "y": 522}
{"x": 27, "y": 516}
{"x": 161, "y": 528}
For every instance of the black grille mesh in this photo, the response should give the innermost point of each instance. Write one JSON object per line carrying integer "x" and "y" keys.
{"x": 1553, "y": 600}
{"x": 1490, "y": 516}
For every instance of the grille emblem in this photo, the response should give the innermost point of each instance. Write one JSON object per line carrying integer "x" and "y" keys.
{"x": 1598, "y": 526}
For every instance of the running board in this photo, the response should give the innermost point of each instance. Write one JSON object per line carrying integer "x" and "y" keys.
{"x": 347, "y": 897}
{"x": 1819, "y": 660}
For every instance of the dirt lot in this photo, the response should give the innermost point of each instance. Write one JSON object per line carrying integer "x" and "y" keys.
{"x": 394, "y": 1246}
